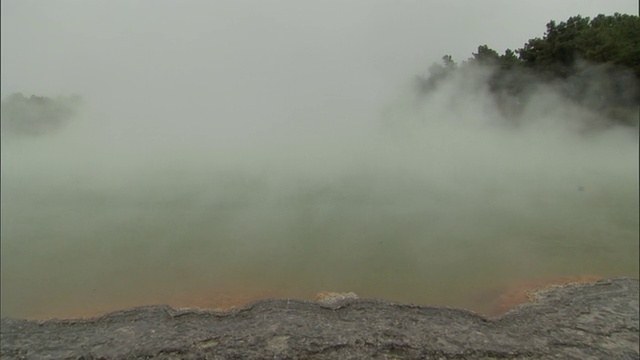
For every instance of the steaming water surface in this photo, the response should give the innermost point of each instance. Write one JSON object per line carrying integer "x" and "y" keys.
{"x": 232, "y": 150}
{"x": 435, "y": 211}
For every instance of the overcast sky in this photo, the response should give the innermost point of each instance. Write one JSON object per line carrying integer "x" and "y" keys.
{"x": 236, "y": 59}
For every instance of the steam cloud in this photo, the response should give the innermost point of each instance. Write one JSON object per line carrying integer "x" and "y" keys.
{"x": 156, "y": 191}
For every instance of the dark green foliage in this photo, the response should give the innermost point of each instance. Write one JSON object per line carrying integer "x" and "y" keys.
{"x": 604, "y": 39}
{"x": 509, "y": 60}
{"x": 485, "y": 56}
{"x": 37, "y": 115}
{"x": 437, "y": 73}
{"x": 593, "y": 62}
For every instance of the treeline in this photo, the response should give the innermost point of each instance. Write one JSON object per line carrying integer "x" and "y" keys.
{"x": 37, "y": 115}
{"x": 593, "y": 62}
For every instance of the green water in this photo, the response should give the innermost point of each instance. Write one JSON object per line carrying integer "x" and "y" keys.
{"x": 88, "y": 227}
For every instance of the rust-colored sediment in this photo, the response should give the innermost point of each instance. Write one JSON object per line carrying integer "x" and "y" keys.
{"x": 211, "y": 300}
{"x": 226, "y": 299}
{"x": 520, "y": 292}
{"x": 223, "y": 300}
{"x": 220, "y": 300}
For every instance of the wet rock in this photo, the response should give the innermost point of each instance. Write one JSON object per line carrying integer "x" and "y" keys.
{"x": 577, "y": 321}
{"x": 335, "y": 299}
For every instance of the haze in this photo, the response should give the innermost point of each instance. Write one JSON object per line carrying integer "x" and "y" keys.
{"x": 279, "y": 148}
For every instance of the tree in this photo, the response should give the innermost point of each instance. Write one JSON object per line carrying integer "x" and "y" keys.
{"x": 592, "y": 62}
{"x": 485, "y": 56}
{"x": 509, "y": 60}
{"x": 37, "y": 115}
{"x": 437, "y": 73}
{"x": 604, "y": 39}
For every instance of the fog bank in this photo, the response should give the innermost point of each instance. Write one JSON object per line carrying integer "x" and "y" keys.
{"x": 291, "y": 171}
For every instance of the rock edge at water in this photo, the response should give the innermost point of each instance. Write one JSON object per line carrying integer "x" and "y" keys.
{"x": 599, "y": 320}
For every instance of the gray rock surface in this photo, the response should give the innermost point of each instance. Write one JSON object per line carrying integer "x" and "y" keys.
{"x": 592, "y": 321}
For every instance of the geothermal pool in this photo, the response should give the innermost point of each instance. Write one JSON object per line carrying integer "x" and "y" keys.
{"x": 443, "y": 217}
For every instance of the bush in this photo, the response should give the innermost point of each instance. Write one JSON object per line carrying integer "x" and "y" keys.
{"x": 37, "y": 115}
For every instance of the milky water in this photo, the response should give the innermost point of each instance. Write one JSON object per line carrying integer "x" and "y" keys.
{"x": 233, "y": 150}
{"x": 409, "y": 208}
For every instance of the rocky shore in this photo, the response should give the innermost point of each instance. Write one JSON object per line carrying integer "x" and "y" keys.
{"x": 577, "y": 321}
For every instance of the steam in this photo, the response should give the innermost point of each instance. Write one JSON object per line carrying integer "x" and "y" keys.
{"x": 297, "y": 171}
{"x": 435, "y": 196}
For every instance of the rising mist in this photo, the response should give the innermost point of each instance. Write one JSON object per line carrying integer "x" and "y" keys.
{"x": 154, "y": 193}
